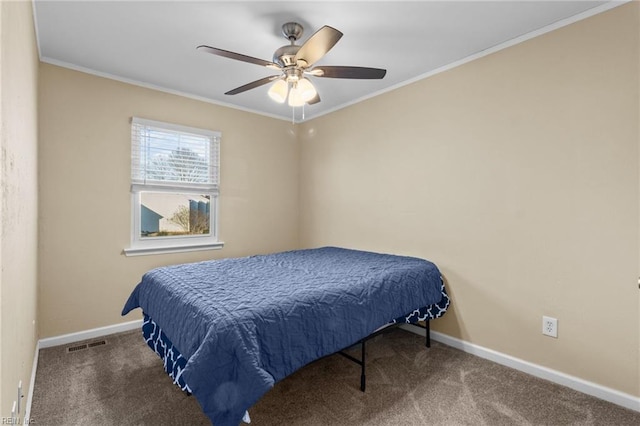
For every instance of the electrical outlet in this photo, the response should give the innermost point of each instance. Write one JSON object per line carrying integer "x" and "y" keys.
{"x": 550, "y": 326}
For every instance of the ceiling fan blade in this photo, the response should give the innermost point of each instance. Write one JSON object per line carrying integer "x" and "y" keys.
{"x": 237, "y": 56}
{"x": 314, "y": 100}
{"x": 253, "y": 85}
{"x": 318, "y": 45}
{"x": 348, "y": 72}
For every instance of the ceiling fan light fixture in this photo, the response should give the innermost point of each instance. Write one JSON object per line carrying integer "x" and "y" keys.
{"x": 278, "y": 91}
{"x": 307, "y": 91}
{"x": 295, "y": 97}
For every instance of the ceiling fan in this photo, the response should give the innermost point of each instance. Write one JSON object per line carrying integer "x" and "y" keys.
{"x": 295, "y": 64}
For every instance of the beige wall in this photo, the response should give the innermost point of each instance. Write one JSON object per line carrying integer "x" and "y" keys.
{"x": 85, "y": 215}
{"x": 18, "y": 176}
{"x": 518, "y": 175}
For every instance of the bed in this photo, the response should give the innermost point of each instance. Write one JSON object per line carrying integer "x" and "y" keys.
{"x": 229, "y": 329}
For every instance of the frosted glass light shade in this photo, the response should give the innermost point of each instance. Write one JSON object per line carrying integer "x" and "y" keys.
{"x": 307, "y": 91}
{"x": 278, "y": 91}
{"x": 295, "y": 97}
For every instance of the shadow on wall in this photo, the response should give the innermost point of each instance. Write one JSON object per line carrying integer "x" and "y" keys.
{"x": 449, "y": 323}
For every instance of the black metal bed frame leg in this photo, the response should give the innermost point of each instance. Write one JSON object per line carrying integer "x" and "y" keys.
{"x": 361, "y": 362}
{"x": 363, "y": 354}
{"x": 428, "y": 333}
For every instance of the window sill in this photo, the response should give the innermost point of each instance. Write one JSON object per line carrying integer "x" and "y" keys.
{"x": 143, "y": 251}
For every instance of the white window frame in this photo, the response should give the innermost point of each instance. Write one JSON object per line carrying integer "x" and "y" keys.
{"x": 175, "y": 244}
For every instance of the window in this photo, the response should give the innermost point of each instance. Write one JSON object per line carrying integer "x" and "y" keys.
{"x": 174, "y": 188}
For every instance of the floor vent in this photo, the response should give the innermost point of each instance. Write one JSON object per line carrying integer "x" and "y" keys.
{"x": 86, "y": 346}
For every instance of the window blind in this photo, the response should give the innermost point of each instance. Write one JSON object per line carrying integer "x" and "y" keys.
{"x": 168, "y": 155}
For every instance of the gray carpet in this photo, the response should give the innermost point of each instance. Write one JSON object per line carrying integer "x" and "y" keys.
{"x": 123, "y": 383}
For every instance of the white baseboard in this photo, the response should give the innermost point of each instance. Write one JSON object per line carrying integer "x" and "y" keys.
{"x": 584, "y": 386}
{"x": 65, "y": 339}
{"x": 32, "y": 382}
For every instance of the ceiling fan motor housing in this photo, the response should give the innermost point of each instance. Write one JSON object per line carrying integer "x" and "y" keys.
{"x": 285, "y": 55}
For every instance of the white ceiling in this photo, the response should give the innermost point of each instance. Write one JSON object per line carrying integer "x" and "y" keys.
{"x": 153, "y": 43}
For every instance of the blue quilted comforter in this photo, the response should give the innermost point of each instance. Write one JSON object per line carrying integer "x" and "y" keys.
{"x": 245, "y": 323}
